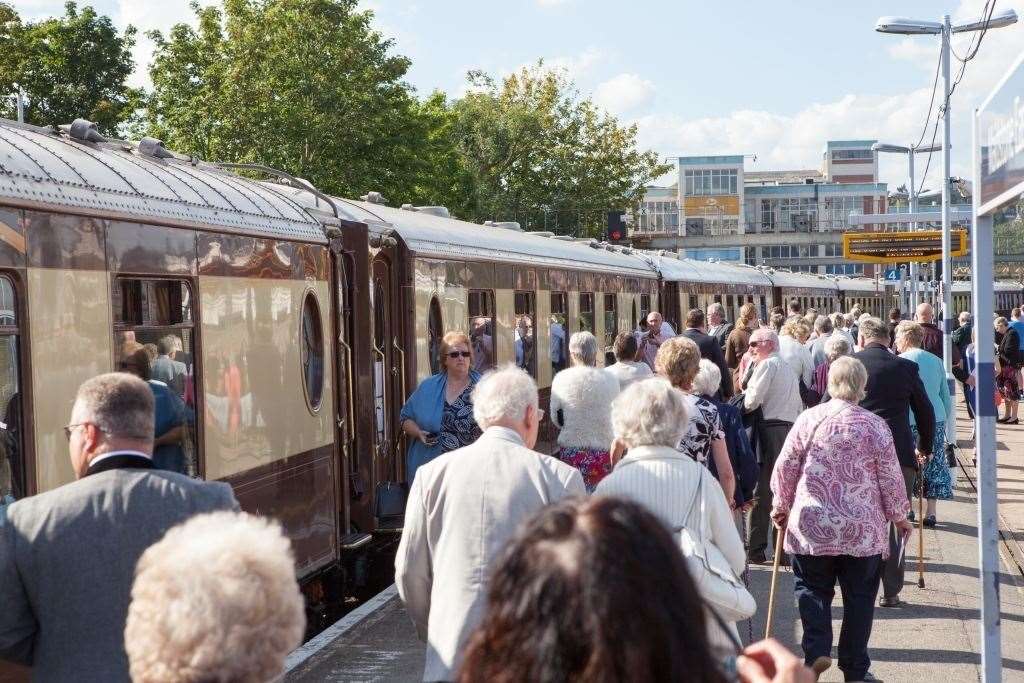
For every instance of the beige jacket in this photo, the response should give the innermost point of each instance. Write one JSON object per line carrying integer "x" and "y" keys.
{"x": 463, "y": 508}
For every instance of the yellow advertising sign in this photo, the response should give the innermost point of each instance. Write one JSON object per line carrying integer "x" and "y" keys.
{"x": 728, "y": 205}
{"x": 894, "y": 247}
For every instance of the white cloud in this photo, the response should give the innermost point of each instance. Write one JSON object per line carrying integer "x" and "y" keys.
{"x": 149, "y": 16}
{"x": 797, "y": 140}
{"x": 624, "y": 93}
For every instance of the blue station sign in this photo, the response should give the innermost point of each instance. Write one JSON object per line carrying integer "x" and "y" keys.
{"x": 1001, "y": 139}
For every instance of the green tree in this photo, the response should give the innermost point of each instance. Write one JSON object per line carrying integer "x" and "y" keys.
{"x": 534, "y": 151}
{"x": 74, "y": 66}
{"x": 303, "y": 85}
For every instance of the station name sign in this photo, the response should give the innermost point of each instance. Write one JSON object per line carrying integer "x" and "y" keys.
{"x": 895, "y": 247}
{"x": 1001, "y": 139}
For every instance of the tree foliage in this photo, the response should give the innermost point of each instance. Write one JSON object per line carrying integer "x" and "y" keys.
{"x": 303, "y": 85}
{"x": 534, "y": 151}
{"x": 74, "y": 66}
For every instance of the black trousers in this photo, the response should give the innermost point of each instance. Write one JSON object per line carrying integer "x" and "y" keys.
{"x": 858, "y": 578}
{"x": 761, "y": 532}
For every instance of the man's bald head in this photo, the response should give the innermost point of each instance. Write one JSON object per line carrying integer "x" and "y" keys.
{"x": 925, "y": 313}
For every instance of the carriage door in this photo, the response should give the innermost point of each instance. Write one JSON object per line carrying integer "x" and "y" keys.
{"x": 384, "y": 399}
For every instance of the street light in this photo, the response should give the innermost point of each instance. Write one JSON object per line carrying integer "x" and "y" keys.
{"x": 910, "y": 151}
{"x": 902, "y": 26}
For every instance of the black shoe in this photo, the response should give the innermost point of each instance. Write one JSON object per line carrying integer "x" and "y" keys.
{"x": 890, "y": 602}
{"x": 1002, "y": 420}
{"x": 929, "y": 521}
{"x": 1014, "y": 421}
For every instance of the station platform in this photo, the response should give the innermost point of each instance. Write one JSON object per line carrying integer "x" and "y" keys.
{"x": 935, "y": 636}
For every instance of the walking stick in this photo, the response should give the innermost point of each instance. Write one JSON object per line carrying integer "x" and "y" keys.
{"x": 920, "y": 534}
{"x": 775, "y": 575}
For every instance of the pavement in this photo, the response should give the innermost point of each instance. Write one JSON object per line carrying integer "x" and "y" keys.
{"x": 934, "y": 637}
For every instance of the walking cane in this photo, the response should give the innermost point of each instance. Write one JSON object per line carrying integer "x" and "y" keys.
{"x": 775, "y": 574}
{"x": 920, "y": 534}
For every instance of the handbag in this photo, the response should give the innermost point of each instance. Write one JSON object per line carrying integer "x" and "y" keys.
{"x": 717, "y": 583}
{"x": 809, "y": 396}
{"x": 389, "y": 499}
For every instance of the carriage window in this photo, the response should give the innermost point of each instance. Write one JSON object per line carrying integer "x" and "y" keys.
{"x": 155, "y": 316}
{"x": 556, "y": 331}
{"x": 694, "y": 303}
{"x": 12, "y": 465}
{"x": 481, "y": 328}
{"x": 435, "y": 330}
{"x": 524, "y": 338}
{"x": 611, "y": 320}
{"x": 645, "y": 307}
{"x": 587, "y": 311}
{"x": 311, "y": 352}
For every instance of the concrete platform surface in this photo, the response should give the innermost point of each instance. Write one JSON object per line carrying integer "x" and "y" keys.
{"x": 934, "y": 637}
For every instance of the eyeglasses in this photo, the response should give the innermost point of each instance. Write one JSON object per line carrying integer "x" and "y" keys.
{"x": 755, "y": 344}
{"x": 455, "y": 354}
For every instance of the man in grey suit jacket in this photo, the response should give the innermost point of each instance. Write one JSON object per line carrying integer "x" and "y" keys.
{"x": 165, "y": 368}
{"x": 67, "y": 556}
{"x": 463, "y": 508}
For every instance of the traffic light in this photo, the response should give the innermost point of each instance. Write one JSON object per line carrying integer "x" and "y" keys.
{"x": 616, "y": 227}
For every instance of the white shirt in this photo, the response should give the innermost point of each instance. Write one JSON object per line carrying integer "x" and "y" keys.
{"x": 774, "y": 389}
{"x": 797, "y": 357}
{"x": 650, "y": 349}
{"x": 628, "y": 371}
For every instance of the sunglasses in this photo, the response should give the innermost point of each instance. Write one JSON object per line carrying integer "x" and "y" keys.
{"x": 455, "y": 354}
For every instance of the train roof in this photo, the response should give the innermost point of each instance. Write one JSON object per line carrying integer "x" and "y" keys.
{"x": 998, "y": 285}
{"x": 445, "y": 237}
{"x": 679, "y": 269}
{"x": 859, "y": 284}
{"x": 48, "y": 168}
{"x": 785, "y": 278}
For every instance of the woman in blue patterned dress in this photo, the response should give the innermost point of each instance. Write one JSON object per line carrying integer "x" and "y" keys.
{"x": 438, "y": 417}
{"x": 938, "y": 480}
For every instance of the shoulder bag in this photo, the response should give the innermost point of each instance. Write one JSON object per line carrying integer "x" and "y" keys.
{"x": 717, "y": 583}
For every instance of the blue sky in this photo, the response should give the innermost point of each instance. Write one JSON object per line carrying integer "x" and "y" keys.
{"x": 775, "y": 79}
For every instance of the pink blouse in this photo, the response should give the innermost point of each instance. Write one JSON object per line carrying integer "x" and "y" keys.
{"x": 841, "y": 489}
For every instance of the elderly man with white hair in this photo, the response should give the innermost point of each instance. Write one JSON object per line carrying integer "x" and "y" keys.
{"x": 649, "y": 418}
{"x": 463, "y": 508}
{"x": 774, "y": 389}
{"x": 719, "y": 326}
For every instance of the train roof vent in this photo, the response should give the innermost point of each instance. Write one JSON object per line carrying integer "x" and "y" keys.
{"x": 588, "y": 240}
{"x": 542, "y": 233}
{"x": 373, "y": 198}
{"x": 84, "y": 130}
{"x": 408, "y": 207}
{"x": 564, "y": 238}
{"x": 441, "y": 211}
{"x": 152, "y": 147}
{"x": 505, "y": 225}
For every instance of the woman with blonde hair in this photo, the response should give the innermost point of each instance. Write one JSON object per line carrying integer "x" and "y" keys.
{"x": 736, "y": 343}
{"x": 678, "y": 361}
{"x": 438, "y": 416}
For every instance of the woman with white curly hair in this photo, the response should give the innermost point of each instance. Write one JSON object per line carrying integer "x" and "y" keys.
{"x": 649, "y": 419}
{"x": 581, "y": 398}
{"x": 215, "y": 600}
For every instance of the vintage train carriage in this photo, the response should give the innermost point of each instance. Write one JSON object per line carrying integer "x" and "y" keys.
{"x": 867, "y": 293}
{"x": 812, "y": 291}
{"x": 518, "y": 295}
{"x": 1008, "y": 295}
{"x": 689, "y": 284}
{"x": 105, "y": 247}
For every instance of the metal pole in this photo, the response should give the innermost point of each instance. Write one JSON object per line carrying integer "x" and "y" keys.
{"x": 912, "y": 201}
{"x": 985, "y": 428}
{"x": 946, "y": 288}
{"x": 904, "y": 297}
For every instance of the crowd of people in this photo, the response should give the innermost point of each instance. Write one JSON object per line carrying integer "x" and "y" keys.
{"x": 800, "y": 439}
{"x": 619, "y": 556}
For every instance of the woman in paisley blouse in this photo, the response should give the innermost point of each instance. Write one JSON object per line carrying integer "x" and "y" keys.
{"x": 837, "y": 484}
{"x": 438, "y": 417}
{"x": 677, "y": 361}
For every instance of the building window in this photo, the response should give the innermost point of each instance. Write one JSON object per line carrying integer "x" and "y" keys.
{"x": 156, "y": 316}
{"x": 587, "y": 311}
{"x": 311, "y": 351}
{"x": 13, "y": 482}
{"x": 556, "y": 331}
{"x": 844, "y": 269}
{"x": 710, "y": 181}
{"x": 853, "y": 155}
{"x": 524, "y": 337}
{"x": 481, "y": 328}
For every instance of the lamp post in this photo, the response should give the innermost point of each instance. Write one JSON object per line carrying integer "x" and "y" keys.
{"x": 910, "y": 152}
{"x": 902, "y": 26}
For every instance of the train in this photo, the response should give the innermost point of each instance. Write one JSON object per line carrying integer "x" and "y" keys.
{"x": 304, "y": 321}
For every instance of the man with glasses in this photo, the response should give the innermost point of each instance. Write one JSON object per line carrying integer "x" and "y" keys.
{"x": 774, "y": 388}
{"x": 67, "y": 556}
{"x": 658, "y": 331}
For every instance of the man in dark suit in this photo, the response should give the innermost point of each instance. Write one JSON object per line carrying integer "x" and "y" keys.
{"x": 893, "y": 390}
{"x": 709, "y": 349}
{"x": 718, "y": 326}
{"x": 68, "y": 556}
